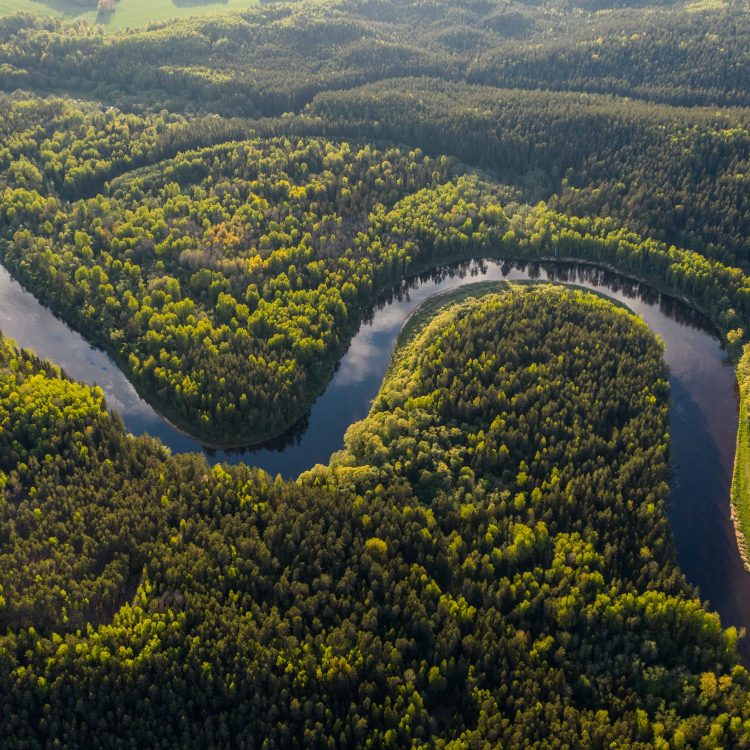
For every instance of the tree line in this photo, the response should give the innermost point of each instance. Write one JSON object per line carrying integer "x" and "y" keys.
{"x": 676, "y": 174}
{"x": 273, "y": 59}
{"x": 227, "y": 280}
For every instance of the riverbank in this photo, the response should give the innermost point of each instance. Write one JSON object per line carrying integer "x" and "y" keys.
{"x": 702, "y": 416}
{"x": 740, "y": 493}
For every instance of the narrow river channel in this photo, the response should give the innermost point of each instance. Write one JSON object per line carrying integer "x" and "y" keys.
{"x": 703, "y": 413}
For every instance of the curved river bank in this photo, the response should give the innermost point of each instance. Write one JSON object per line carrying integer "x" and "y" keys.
{"x": 703, "y": 413}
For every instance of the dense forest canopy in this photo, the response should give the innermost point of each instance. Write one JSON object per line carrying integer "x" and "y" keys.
{"x": 219, "y": 201}
{"x": 228, "y": 279}
{"x": 679, "y": 174}
{"x": 231, "y": 63}
{"x": 487, "y": 561}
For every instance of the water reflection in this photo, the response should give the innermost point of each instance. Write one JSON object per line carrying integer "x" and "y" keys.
{"x": 357, "y": 376}
{"x": 703, "y": 417}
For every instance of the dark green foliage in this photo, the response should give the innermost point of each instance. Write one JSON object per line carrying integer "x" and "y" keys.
{"x": 78, "y": 506}
{"x": 667, "y": 55}
{"x": 679, "y": 175}
{"x": 72, "y": 149}
{"x": 488, "y": 561}
{"x": 274, "y": 59}
{"x": 228, "y": 280}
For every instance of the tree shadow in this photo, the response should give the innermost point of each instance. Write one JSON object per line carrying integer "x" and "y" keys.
{"x": 67, "y": 7}
{"x": 74, "y": 8}
{"x": 196, "y": 3}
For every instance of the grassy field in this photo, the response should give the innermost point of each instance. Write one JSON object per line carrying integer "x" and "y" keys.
{"x": 740, "y": 496}
{"x": 129, "y": 13}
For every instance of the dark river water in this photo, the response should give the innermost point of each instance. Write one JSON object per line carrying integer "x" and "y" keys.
{"x": 703, "y": 413}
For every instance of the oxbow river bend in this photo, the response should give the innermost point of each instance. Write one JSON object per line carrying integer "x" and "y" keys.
{"x": 703, "y": 413}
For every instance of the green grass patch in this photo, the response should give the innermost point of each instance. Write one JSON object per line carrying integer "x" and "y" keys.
{"x": 129, "y": 13}
{"x": 740, "y": 494}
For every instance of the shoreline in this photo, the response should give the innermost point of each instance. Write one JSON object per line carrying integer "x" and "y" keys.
{"x": 738, "y": 490}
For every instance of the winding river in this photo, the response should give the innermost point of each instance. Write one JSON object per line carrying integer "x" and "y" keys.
{"x": 703, "y": 413}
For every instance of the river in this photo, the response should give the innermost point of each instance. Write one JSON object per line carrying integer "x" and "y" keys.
{"x": 703, "y": 413}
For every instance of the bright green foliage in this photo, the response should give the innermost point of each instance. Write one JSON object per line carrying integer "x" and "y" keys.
{"x": 273, "y": 59}
{"x": 492, "y": 83}
{"x": 55, "y": 145}
{"x": 228, "y": 282}
{"x": 123, "y": 14}
{"x": 740, "y": 494}
{"x": 488, "y": 562}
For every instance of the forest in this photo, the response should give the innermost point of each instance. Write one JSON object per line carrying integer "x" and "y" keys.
{"x": 487, "y": 562}
{"x": 219, "y": 202}
{"x": 228, "y": 281}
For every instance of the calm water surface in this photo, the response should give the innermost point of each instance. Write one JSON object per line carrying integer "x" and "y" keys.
{"x": 703, "y": 414}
